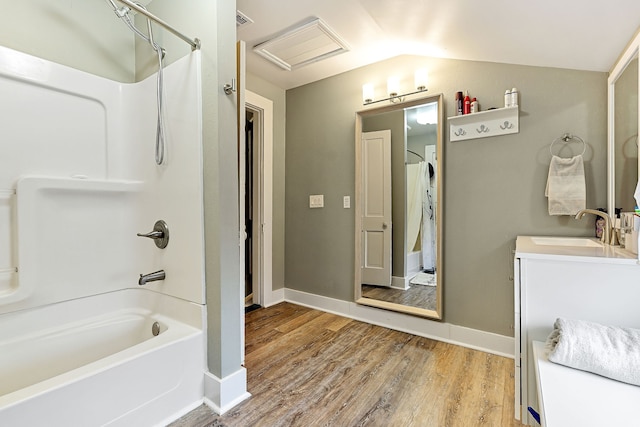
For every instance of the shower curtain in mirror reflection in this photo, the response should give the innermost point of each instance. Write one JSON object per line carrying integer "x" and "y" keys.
{"x": 421, "y": 213}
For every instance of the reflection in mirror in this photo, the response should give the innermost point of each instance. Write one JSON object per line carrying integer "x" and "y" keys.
{"x": 626, "y": 136}
{"x": 398, "y": 223}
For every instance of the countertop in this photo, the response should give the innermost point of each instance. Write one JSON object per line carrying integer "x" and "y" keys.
{"x": 527, "y": 248}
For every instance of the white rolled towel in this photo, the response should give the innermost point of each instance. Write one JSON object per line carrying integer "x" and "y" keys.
{"x": 609, "y": 351}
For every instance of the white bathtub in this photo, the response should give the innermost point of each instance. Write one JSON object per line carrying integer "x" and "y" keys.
{"x": 94, "y": 361}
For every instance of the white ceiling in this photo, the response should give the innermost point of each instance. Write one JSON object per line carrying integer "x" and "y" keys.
{"x": 575, "y": 34}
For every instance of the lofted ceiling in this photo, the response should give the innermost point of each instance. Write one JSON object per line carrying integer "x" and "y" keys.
{"x": 574, "y": 34}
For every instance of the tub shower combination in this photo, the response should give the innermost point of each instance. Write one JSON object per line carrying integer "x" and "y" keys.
{"x": 110, "y": 359}
{"x": 81, "y": 341}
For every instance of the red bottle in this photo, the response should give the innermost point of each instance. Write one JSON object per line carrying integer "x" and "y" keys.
{"x": 467, "y": 104}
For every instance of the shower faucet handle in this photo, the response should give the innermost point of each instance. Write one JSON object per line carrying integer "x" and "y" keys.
{"x": 160, "y": 234}
{"x": 152, "y": 235}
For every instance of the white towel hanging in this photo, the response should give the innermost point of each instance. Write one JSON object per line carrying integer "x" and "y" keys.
{"x": 566, "y": 188}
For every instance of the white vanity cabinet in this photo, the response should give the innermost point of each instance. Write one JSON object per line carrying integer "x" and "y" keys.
{"x": 595, "y": 283}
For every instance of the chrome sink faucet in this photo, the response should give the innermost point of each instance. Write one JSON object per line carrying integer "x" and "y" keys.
{"x": 606, "y": 235}
{"x": 151, "y": 277}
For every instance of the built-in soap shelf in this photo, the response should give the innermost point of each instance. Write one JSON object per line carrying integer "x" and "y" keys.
{"x": 7, "y": 273}
{"x": 501, "y": 121}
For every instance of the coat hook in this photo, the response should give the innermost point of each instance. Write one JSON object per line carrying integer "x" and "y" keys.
{"x": 229, "y": 88}
{"x": 506, "y": 125}
{"x": 483, "y": 129}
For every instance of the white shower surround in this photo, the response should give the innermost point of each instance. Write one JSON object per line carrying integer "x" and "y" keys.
{"x": 79, "y": 149}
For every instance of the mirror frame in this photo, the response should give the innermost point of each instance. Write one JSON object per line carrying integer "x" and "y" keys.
{"x": 359, "y": 299}
{"x": 631, "y": 52}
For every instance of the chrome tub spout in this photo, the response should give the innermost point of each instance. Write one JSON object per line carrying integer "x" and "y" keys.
{"x": 151, "y": 277}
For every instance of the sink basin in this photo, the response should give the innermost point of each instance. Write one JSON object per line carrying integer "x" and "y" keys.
{"x": 583, "y": 242}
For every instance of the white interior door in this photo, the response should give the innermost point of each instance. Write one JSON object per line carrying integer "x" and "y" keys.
{"x": 376, "y": 208}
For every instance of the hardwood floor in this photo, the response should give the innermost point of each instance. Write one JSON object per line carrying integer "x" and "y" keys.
{"x": 310, "y": 368}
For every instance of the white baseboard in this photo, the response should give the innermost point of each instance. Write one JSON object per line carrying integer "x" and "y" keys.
{"x": 330, "y": 305}
{"x": 273, "y": 297}
{"x": 489, "y": 342}
{"x": 401, "y": 283}
{"x": 223, "y": 394}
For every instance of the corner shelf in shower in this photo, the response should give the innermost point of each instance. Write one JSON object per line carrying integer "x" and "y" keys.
{"x": 501, "y": 121}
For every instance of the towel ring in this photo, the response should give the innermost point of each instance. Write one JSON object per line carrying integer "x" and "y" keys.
{"x": 566, "y": 138}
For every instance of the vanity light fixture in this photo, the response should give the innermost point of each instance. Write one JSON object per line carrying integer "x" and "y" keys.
{"x": 393, "y": 87}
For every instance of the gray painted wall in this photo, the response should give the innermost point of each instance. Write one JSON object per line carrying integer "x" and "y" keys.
{"x": 417, "y": 143}
{"x": 494, "y": 187}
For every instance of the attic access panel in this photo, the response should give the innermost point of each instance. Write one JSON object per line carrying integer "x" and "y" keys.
{"x": 303, "y": 45}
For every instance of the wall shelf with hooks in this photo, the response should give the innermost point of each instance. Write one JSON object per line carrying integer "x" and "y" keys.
{"x": 501, "y": 121}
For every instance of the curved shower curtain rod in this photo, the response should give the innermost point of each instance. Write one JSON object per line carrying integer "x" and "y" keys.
{"x": 195, "y": 43}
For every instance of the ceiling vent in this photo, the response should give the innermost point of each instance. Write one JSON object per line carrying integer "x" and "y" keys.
{"x": 303, "y": 45}
{"x": 242, "y": 19}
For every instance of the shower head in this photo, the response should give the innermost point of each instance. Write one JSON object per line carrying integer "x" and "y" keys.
{"x": 119, "y": 11}
{"x": 123, "y": 14}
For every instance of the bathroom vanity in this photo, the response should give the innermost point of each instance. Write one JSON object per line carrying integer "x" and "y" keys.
{"x": 576, "y": 278}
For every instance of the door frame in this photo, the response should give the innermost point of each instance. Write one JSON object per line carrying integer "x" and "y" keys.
{"x": 262, "y": 108}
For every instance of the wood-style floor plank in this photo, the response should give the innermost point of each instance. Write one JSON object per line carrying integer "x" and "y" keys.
{"x": 309, "y": 368}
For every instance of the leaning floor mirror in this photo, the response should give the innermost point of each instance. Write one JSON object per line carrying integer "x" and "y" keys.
{"x": 398, "y": 233}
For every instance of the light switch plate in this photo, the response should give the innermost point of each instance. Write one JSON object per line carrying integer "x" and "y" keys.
{"x": 316, "y": 201}
{"x": 346, "y": 202}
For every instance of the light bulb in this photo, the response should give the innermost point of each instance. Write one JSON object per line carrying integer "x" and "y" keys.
{"x": 393, "y": 86}
{"x": 421, "y": 79}
{"x": 367, "y": 93}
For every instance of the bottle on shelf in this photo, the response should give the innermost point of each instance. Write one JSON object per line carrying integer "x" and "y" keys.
{"x": 475, "y": 106}
{"x": 459, "y": 104}
{"x": 467, "y": 103}
{"x": 507, "y": 98}
{"x": 514, "y": 97}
